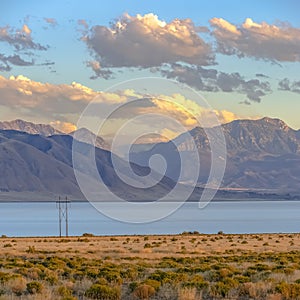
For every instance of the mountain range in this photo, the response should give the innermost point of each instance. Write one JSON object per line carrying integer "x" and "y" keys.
{"x": 82, "y": 134}
{"x": 36, "y": 162}
{"x": 261, "y": 154}
{"x": 35, "y": 166}
{"x": 29, "y": 127}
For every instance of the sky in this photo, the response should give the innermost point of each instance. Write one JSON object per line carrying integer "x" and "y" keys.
{"x": 211, "y": 60}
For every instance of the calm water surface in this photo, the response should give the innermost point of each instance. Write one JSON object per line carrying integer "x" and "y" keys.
{"x": 41, "y": 219}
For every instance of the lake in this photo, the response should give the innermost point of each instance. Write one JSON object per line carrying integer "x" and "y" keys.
{"x": 41, "y": 219}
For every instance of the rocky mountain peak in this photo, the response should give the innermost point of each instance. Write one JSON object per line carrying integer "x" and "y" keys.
{"x": 86, "y": 136}
{"x": 29, "y": 127}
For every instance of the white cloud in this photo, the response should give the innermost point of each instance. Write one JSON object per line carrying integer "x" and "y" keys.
{"x": 62, "y": 104}
{"x": 260, "y": 40}
{"x": 38, "y": 93}
{"x": 145, "y": 41}
{"x": 50, "y": 100}
{"x": 225, "y": 26}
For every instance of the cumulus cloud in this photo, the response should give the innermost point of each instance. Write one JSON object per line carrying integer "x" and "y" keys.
{"x": 189, "y": 112}
{"x": 177, "y": 51}
{"x": 60, "y": 103}
{"x": 20, "y": 39}
{"x": 176, "y": 107}
{"x": 145, "y": 41}
{"x": 65, "y": 127}
{"x": 214, "y": 81}
{"x": 21, "y": 92}
{"x": 64, "y": 103}
{"x": 260, "y": 40}
{"x": 160, "y": 116}
{"x": 286, "y": 85}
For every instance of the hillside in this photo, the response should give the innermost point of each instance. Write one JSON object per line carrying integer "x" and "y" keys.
{"x": 43, "y": 166}
{"x": 261, "y": 154}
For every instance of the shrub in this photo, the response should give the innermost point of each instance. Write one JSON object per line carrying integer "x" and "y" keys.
{"x": 289, "y": 291}
{"x": 132, "y": 286}
{"x": 103, "y": 292}
{"x": 112, "y": 276}
{"x": 17, "y": 285}
{"x": 34, "y": 287}
{"x": 31, "y": 249}
{"x": 242, "y": 279}
{"x": 3, "y": 277}
{"x": 220, "y": 289}
{"x": 144, "y": 292}
{"x": 167, "y": 292}
{"x": 154, "y": 283}
{"x": 64, "y": 292}
{"x": 86, "y": 234}
{"x": 52, "y": 279}
{"x": 197, "y": 281}
{"x": 187, "y": 294}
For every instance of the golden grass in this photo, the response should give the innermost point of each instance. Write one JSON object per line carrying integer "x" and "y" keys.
{"x": 150, "y": 247}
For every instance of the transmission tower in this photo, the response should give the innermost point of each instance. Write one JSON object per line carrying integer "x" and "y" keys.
{"x": 63, "y": 207}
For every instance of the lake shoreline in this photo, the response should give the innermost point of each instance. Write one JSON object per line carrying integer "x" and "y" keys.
{"x": 143, "y": 201}
{"x": 184, "y": 233}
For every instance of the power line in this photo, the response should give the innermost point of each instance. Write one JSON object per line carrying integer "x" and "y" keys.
{"x": 63, "y": 214}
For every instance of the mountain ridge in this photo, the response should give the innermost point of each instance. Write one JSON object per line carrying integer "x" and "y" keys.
{"x": 44, "y": 165}
{"x": 29, "y": 127}
{"x": 261, "y": 154}
{"x": 82, "y": 134}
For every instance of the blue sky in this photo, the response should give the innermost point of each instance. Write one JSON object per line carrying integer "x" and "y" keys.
{"x": 250, "y": 59}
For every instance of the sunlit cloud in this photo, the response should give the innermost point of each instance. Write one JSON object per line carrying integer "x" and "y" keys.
{"x": 65, "y": 127}
{"x": 20, "y": 39}
{"x": 146, "y": 41}
{"x": 260, "y": 40}
{"x": 98, "y": 70}
{"x": 63, "y": 104}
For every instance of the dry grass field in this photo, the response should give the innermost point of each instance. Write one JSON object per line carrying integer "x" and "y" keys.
{"x": 151, "y": 247}
{"x": 185, "y": 266}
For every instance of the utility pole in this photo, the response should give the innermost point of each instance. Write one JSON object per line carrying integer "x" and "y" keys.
{"x": 66, "y": 217}
{"x": 63, "y": 207}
